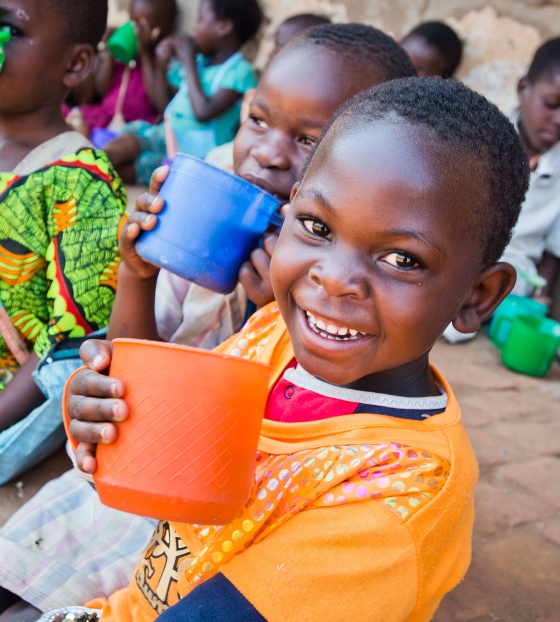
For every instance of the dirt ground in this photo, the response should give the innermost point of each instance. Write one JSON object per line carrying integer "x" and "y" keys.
{"x": 514, "y": 425}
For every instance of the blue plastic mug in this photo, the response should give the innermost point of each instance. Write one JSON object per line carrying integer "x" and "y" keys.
{"x": 210, "y": 223}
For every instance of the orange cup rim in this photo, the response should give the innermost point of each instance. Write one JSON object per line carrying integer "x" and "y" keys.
{"x": 164, "y": 345}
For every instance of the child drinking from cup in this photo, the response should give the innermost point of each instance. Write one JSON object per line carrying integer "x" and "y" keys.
{"x": 61, "y": 206}
{"x": 205, "y": 111}
{"x": 123, "y": 92}
{"x": 299, "y": 91}
{"x": 362, "y": 501}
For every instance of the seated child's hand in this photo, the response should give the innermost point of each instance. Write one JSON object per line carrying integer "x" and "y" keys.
{"x": 94, "y": 403}
{"x": 165, "y": 51}
{"x": 142, "y": 219}
{"x": 254, "y": 274}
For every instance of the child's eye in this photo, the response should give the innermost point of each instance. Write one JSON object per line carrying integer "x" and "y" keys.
{"x": 315, "y": 226}
{"x": 400, "y": 260}
{"x": 308, "y": 141}
{"x": 258, "y": 121}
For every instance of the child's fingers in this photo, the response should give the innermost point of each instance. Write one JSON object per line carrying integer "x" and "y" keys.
{"x": 142, "y": 220}
{"x": 85, "y": 457}
{"x": 96, "y": 354}
{"x": 97, "y": 433}
{"x": 149, "y": 202}
{"x": 157, "y": 179}
{"x": 260, "y": 259}
{"x": 269, "y": 244}
{"x": 89, "y": 383}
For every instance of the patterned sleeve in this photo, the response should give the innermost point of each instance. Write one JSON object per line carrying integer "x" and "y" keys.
{"x": 239, "y": 77}
{"x": 86, "y": 205}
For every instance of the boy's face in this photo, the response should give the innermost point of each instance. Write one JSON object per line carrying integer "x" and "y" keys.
{"x": 427, "y": 59}
{"x": 374, "y": 250}
{"x": 206, "y": 28}
{"x": 540, "y": 112}
{"x": 35, "y": 64}
{"x": 297, "y": 95}
{"x": 154, "y": 14}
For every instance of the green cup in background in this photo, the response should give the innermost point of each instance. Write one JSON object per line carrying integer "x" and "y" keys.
{"x": 5, "y": 36}
{"x": 512, "y": 306}
{"x": 532, "y": 345}
{"x": 123, "y": 43}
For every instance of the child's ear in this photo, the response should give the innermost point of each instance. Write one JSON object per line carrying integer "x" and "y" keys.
{"x": 225, "y": 27}
{"x": 490, "y": 288}
{"x": 523, "y": 88}
{"x": 80, "y": 65}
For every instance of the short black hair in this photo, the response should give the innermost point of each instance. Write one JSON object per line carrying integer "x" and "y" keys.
{"x": 546, "y": 61}
{"x": 468, "y": 123}
{"x": 445, "y": 39}
{"x": 246, "y": 15}
{"x": 364, "y": 46}
{"x": 305, "y": 20}
{"x": 85, "y": 21}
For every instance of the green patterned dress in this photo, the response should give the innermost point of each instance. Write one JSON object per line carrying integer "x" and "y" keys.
{"x": 59, "y": 229}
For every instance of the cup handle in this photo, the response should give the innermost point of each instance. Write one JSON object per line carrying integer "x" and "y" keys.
{"x": 498, "y": 328}
{"x": 277, "y": 220}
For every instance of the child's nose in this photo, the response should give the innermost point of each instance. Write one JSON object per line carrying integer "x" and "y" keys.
{"x": 273, "y": 151}
{"x": 339, "y": 278}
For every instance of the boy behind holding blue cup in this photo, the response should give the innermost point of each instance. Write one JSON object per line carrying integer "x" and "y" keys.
{"x": 362, "y": 502}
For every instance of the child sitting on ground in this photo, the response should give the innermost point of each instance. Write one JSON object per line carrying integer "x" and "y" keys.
{"x": 534, "y": 249}
{"x": 535, "y": 244}
{"x": 300, "y": 90}
{"x": 434, "y": 48}
{"x": 134, "y": 92}
{"x": 61, "y": 206}
{"x": 205, "y": 111}
{"x": 362, "y": 502}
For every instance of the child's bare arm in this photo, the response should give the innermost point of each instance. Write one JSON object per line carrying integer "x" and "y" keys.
{"x": 21, "y": 395}
{"x": 205, "y": 108}
{"x": 94, "y": 403}
{"x": 549, "y": 268}
{"x": 138, "y": 278}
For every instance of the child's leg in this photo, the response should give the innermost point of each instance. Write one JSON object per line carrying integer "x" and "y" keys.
{"x": 123, "y": 150}
{"x": 21, "y": 612}
{"x": 7, "y": 599}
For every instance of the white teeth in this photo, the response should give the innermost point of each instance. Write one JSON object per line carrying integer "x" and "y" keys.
{"x": 333, "y": 330}
{"x": 321, "y": 325}
{"x": 343, "y": 331}
{"x": 330, "y": 331}
{"x": 353, "y": 332}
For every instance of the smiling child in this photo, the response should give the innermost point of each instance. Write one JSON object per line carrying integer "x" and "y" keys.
{"x": 362, "y": 501}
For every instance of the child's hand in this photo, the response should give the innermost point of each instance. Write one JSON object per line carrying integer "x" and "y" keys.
{"x": 185, "y": 49}
{"x": 93, "y": 403}
{"x": 147, "y": 36}
{"x": 254, "y": 275}
{"x": 142, "y": 219}
{"x": 165, "y": 51}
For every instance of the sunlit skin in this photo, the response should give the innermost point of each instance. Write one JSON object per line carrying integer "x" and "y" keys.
{"x": 376, "y": 240}
{"x": 287, "y": 114}
{"x": 427, "y": 59}
{"x": 540, "y": 113}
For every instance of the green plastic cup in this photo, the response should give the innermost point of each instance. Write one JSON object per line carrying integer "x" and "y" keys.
{"x": 5, "y": 36}
{"x": 532, "y": 345}
{"x": 123, "y": 43}
{"x": 512, "y": 306}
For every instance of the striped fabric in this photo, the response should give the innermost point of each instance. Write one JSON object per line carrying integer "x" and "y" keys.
{"x": 64, "y": 547}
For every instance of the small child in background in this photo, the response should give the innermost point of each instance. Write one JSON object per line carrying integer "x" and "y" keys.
{"x": 361, "y": 506}
{"x": 535, "y": 244}
{"x": 293, "y": 25}
{"x": 205, "y": 111}
{"x": 119, "y": 93}
{"x": 299, "y": 92}
{"x": 61, "y": 207}
{"x": 534, "y": 249}
{"x": 222, "y": 156}
{"x": 434, "y": 48}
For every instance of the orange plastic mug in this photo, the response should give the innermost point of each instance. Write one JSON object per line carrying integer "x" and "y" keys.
{"x": 187, "y": 451}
